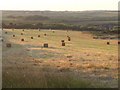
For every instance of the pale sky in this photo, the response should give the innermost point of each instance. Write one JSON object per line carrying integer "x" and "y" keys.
{"x": 59, "y": 5}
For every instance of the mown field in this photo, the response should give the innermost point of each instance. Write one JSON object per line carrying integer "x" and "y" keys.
{"x": 83, "y": 62}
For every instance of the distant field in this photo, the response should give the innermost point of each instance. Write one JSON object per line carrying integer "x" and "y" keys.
{"x": 83, "y": 62}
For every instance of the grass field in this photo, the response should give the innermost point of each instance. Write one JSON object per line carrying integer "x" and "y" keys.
{"x": 83, "y": 62}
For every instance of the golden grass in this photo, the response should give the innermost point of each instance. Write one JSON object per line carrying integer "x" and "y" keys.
{"x": 82, "y": 53}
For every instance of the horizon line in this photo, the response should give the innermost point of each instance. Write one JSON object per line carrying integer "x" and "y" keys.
{"x": 59, "y": 10}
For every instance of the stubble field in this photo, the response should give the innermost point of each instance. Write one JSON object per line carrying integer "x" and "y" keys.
{"x": 83, "y": 62}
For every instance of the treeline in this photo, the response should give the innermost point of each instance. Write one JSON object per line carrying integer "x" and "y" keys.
{"x": 97, "y": 29}
{"x": 48, "y": 26}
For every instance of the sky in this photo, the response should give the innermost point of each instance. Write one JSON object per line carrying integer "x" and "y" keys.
{"x": 59, "y": 5}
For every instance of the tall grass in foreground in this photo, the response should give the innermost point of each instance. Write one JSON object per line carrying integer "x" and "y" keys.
{"x": 40, "y": 79}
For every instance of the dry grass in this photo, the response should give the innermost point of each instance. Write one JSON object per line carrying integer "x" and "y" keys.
{"x": 83, "y": 55}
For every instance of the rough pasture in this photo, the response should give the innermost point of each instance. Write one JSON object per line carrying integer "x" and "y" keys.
{"x": 80, "y": 61}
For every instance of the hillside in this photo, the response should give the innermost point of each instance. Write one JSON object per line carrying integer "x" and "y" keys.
{"x": 97, "y": 22}
{"x": 69, "y": 17}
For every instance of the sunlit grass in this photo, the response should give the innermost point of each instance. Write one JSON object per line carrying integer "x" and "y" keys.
{"x": 29, "y": 64}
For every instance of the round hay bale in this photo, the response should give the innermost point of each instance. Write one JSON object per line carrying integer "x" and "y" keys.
{"x": 22, "y": 39}
{"x": 69, "y": 39}
{"x": 71, "y": 64}
{"x": 45, "y": 45}
{"x": 21, "y": 33}
{"x": 13, "y": 35}
{"x": 69, "y": 56}
{"x": 45, "y": 34}
{"x": 62, "y": 40}
{"x": 118, "y": 42}
{"x": 8, "y": 45}
{"x": 95, "y": 37}
{"x": 31, "y": 37}
{"x": 63, "y": 43}
{"x": 108, "y": 43}
{"x": 38, "y": 35}
{"x": 5, "y": 32}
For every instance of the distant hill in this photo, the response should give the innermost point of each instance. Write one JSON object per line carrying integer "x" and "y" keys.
{"x": 67, "y": 17}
